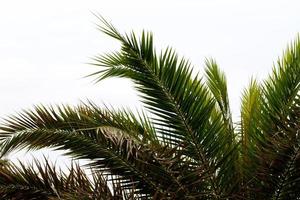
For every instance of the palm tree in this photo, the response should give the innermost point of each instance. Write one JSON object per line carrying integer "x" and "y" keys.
{"x": 185, "y": 145}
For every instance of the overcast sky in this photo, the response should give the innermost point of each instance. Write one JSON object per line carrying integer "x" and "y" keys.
{"x": 45, "y": 45}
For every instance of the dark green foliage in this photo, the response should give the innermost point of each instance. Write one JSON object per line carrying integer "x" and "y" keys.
{"x": 188, "y": 149}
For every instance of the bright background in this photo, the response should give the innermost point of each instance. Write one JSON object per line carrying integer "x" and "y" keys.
{"x": 45, "y": 45}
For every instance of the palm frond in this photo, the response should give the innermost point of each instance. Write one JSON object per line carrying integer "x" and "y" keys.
{"x": 179, "y": 101}
{"x": 282, "y": 87}
{"x": 217, "y": 84}
{"x": 279, "y": 123}
{"x": 80, "y": 119}
{"x": 44, "y": 181}
{"x": 250, "y": 135}
{"x": 116, "y": 143}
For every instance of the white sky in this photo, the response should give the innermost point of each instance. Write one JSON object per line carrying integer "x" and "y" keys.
{"x": 44, "y": 45}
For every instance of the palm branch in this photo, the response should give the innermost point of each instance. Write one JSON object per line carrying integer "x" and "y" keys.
{"x": 41, "y": 180}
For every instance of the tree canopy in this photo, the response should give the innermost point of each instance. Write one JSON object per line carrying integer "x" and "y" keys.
{"x": 185, "y": 144}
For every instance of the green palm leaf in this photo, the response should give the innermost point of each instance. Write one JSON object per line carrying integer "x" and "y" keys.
{"x": 276, "y": 126}
{"x": 116, "y": 143}
{"x": 44, "y": 181}
{"x": 217, "y": 84}
{"x": 179, "y": 101}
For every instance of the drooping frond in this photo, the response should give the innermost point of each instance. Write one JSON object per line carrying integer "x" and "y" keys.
{"x": 180, "y": 101}
{"x": 116, "y": 143}
{"x": 80, "y": 119}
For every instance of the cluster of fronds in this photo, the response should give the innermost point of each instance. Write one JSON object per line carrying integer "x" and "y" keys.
{"x": 188, "y": 149}
{"x": 44, "y": 181}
